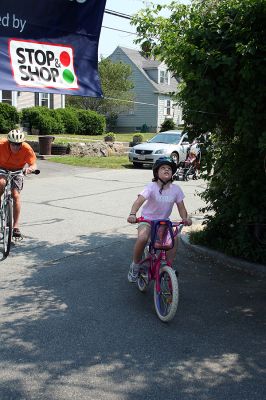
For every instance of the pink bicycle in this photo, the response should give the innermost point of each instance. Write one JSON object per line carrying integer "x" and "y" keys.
{"x": 155, "y": 267}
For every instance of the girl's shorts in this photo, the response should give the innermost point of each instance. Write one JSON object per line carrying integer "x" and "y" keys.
{"x": 141, "y": 224}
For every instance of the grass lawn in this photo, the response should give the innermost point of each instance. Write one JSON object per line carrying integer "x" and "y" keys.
{"x": 113, "y": 162}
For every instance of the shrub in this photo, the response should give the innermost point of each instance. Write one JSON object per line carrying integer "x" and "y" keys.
{"x": 167, "y": 125}
{"x": 31, "y": 116}
{"x": 9, "y": 117}
{"x": 91, "y": 123}
{"x": 47, "y": 121}
{"x": 69, "y": 119}
{"x": 110, "y": 137}
{"x": 111, "y": 121}
{"x": 44, "y": 123}
{"x": 57, "y": 124}
{"x": 144, "y": 128}
{"x": 137, "y": 138}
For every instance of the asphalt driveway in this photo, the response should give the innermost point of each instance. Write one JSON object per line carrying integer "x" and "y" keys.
{"x": 72, "y": 327}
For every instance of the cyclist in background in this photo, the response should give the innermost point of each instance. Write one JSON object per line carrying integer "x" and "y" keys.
{"x": 159, "y": 197}
{"x": 15, "y": 154}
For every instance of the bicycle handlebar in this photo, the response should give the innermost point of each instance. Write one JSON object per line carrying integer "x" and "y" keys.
{"x": 19, "y": 171}
{"x": 36, "y": 172}
{"x": 141, "y": 219}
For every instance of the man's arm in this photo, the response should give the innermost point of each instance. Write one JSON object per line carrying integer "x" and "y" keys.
{"x": 30, "y": 165}
{"x": 31, "y": 168}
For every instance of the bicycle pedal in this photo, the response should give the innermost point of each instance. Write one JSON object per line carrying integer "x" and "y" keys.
{"x": 176, "y": 273}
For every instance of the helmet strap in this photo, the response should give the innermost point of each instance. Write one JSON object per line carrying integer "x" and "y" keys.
{"x": 163, "y": 183}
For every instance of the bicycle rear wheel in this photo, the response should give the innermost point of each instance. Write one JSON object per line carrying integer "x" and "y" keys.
{"x": 7, "y": 227}
{"x": 166, "y": 301}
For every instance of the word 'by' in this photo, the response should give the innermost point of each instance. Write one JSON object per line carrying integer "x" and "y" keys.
{"x": 10, "y": 20}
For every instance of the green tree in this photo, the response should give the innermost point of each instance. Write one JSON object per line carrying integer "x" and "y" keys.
{"x": 218, "y": 49}
{"x": 116, "y": 87}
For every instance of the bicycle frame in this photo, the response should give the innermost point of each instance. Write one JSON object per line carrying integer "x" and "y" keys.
{"x": 155, "y": 259}
{"x": 160, "y": 270}
{"x": 9, "y": 175}
{"x": 6, "y": 210}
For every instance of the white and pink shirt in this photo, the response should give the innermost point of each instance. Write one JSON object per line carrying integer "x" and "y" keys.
{"x": 160, "y": 205}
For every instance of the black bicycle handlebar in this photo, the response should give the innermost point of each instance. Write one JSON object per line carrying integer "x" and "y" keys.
{"x": 35, "y": 172}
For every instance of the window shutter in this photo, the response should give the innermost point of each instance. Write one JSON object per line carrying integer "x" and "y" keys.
{"x": 51, "y": 100}
{"x": 36, "y": 99}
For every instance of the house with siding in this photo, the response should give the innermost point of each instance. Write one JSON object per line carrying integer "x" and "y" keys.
{"x": 153, "y": 83}
{"x": 22, "y": 100}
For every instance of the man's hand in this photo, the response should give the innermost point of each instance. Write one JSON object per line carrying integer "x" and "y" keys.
{"x": 29, "y": 170}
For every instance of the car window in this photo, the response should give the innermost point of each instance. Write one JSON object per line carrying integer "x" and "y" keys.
{"x": 169, "y": 138}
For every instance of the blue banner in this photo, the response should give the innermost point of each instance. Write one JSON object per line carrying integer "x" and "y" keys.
{"x": 50, "y": 46}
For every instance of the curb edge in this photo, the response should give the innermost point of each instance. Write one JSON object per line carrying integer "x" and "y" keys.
{"x": 231, "y": 262}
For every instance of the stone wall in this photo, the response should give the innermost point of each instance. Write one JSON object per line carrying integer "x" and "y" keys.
{"x": 92, "y": 149}
{"x": 96, "y": 149}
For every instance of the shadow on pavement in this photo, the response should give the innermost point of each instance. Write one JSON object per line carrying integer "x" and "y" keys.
{"x": 75, "y": 328}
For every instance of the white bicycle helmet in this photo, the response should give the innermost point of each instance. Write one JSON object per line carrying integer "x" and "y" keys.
{"x": 16, "y": 136}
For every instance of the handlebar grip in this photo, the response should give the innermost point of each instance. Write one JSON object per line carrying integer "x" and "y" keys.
{"x": 36, "y": 172}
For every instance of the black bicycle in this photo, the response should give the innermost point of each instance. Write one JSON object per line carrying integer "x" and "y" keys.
{"x": 6, "y": 209}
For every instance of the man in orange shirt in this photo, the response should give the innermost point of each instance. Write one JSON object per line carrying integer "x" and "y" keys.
{"x": 15, "y": 154}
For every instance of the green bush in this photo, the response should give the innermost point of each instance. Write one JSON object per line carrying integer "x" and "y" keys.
{"x": 111, "y": 121}
{"x": 9, "y": 117}
{"x": 46, "y": 120}
{"x": 64, "y": 120}
{"x": 110, "y": 137}
{"x": 31, "y": 116}
{"x": 144, "y": 128}
{"x": 91, "y": 123}
{"x": 167, "y": 125}
{"x": 57, "y": 124}
{"x": 69, "y": 119}
{"x": 138, "y": 138}
{"x": 44, "y": 123}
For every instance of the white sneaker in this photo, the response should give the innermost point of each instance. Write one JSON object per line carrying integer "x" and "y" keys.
{"x": 133, "y": 272}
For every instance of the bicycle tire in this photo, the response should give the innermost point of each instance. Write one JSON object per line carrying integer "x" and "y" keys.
{"x": 7, "y": 227}
{"x": 166, "y": 301}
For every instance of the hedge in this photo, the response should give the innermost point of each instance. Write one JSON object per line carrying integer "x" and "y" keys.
{"x": 91, "y": 123}
{"x": 61, "y": 120}
{"x": 9, "y": 117}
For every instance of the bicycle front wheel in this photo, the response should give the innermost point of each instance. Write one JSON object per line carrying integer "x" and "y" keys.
{"x": 7, "y": 227}
{"x": 166, "y": 301}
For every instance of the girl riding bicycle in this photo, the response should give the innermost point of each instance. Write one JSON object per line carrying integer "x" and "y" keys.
{"x": 159, "y": 197}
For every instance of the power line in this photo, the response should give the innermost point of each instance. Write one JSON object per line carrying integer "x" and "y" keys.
{"x": 156, "y": 105}
{"x": 119, "y": 30}
{"x": 118, "y": 14}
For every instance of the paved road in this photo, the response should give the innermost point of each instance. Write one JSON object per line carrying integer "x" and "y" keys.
{"x": 73, "y": 328}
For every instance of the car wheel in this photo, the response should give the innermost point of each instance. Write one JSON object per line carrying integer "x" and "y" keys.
{"x": 175, "y": 157}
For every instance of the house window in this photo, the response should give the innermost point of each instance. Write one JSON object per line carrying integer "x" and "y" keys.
{"x": 7, "y": 97}
{"x": 164, "y": 77}
{"x": 168, "y": 107}
{"x": 44, "y": 100}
